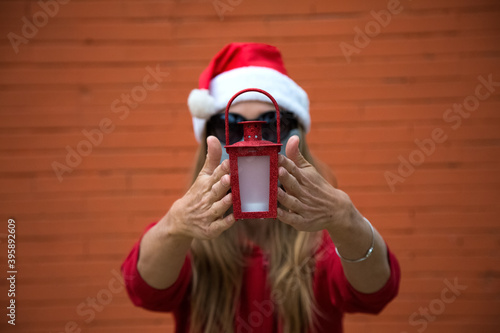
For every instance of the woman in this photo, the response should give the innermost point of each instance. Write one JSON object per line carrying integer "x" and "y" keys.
{"x": 220, "y": 275}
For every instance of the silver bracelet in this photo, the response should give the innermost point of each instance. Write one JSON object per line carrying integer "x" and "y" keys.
{"x": 368, "y": 253}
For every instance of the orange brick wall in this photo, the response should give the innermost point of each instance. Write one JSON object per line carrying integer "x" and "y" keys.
{"x": 441, "y": 219}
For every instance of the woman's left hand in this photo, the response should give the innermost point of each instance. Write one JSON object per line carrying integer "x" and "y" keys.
{"x": 313, "y": 204}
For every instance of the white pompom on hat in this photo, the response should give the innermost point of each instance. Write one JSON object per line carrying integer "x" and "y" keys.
{"x": 245, "y": 65}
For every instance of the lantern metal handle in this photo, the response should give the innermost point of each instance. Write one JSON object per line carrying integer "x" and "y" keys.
{"x": 259, "y": 91}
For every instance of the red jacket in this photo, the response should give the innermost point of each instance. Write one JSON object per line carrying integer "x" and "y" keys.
{"x": 333, "y": 293}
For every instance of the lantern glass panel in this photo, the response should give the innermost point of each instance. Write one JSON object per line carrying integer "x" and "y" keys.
{"x": 253, "y": 174}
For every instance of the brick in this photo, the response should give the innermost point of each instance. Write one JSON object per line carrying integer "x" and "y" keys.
{"x": 117, "y": 139}
{"x": 424, "y": 199}
{"x": 389, "y": 157}
{"x": 438, "y": 243}
{"x": 96, "y": 161}
{"x": 161, "y": 181}
{"x": 383, "y": 69}
{"x": 82, "y": 183}
{"x": 79, "y": 226}
{"x": 44, "y": 249}
{"x": 427, "y": 177}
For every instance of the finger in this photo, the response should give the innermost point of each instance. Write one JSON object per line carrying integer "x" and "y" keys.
{"x": 220, "y": 188}
{"x": 290, "y": 202}
{"x": 219, "y": 172}
{"x": 290, "y": 166}
{"x": 214, "y": 153}
{"x": 219, "y": 208}
{"x": 289, "y": 182}
{"x": 219, "y": 226}
{"x": 293, "y": 152}
{"x": 290, "y": 218}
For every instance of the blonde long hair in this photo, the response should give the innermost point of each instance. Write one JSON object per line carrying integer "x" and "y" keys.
{"x": 218, "y": 266}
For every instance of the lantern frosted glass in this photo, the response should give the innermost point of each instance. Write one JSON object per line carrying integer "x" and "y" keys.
{"x": 254, "y": 183}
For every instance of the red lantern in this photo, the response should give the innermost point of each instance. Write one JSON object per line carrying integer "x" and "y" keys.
{"x": 254, "y": 167}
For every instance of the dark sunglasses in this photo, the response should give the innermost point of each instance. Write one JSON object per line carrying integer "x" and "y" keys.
{"x": 216, "y": 126}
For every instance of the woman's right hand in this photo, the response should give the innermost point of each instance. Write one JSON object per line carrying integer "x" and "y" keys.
{"x": 200, "y": 212}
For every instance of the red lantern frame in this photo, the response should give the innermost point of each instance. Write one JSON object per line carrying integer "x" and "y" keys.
{"x": 253, "y": 145}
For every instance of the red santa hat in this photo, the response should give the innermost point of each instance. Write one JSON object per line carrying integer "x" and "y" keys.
{"x": 245, "y": 65}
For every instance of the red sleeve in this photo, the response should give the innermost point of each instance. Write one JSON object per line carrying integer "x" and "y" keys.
{"x": 342, "y": 294}
{"x": 143, "y": 295}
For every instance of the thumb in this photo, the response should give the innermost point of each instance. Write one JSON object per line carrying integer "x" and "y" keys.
{"x": 214, "y": 153}
{"x": 293, "y": 152}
